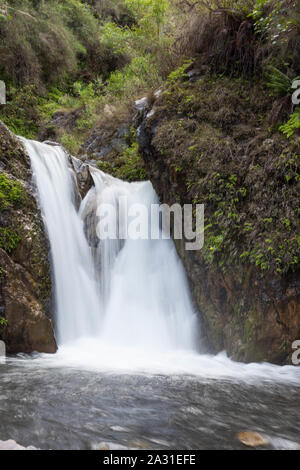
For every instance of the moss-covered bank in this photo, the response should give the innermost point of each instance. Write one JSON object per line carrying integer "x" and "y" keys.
{"x": 25, "y": 282}
{"x": 209, "y": 140}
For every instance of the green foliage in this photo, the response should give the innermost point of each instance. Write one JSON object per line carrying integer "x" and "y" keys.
{"x": 251, "y": 203}
{"x": 137, "y": 76}
{"x": 11, "y": 192}
{"x": 278, "y": 81}
{"x": 272, "y": 21}
{"x": 9, "y": 239}
{"x": 70, "y": 142}
{"x": 293, "y": 124}
{"x": 3, "y": 323}
{"x": 36, "y": 51}
{"x": 64, "y": 56}
{"x": 149, "y": 13}
{"x": 180, "y": 73}
{"x": 129, "y": 165}
{"x": 21, "y": 113}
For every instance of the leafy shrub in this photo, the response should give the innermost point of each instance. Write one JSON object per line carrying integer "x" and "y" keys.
{"x": 240, "y": 36}
{"x": 278, "y": 81}
{"x": 36, "y": 52}
{"x": 71, "y": 143}
{"x": 137, "y": 76}
{"x": 129, "y": 165}
{"x": 46, "y": 42}
{"x": 293, "y": 124}
{"x": 21, "y": 113}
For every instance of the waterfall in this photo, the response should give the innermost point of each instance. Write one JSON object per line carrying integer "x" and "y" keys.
{"x": 75, "y": 290}
{"x": 122, "y": 293}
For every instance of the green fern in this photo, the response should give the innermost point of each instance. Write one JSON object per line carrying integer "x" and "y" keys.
{"x": 279, "y": 82}
{"x": 292, "y": 125}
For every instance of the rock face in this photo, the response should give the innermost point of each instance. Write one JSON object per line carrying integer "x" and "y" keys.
{"x": 208, "y": 141}
{"x": 25, "y": 281}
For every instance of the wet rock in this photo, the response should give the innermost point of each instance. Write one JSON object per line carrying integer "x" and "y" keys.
{"x": 109, "y": 446}
{"x": 84, "y": 180}
{"x": 141, "y": 104}
{"x": 109, "y": 139}
{"x": 253, "y": 315}
{"x": 25, "y": 279}
{"x": 252, "y": 439}
{"x": 28, "y": 328}
{"x": 12, "y": 445}
{"x": 61, "y": 121}
{"x": 51, "y": 142}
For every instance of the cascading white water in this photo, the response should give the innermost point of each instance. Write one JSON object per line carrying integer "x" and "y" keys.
{"x": 76, "y": 295}
{"x": 124, "y": 305}
{"x": 143, "y": 300}
{"x": 146, "y": 298}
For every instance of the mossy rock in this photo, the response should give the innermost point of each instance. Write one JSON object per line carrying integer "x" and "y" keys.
{"x": 24, "y": 255}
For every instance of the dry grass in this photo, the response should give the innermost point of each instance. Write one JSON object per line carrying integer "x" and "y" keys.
{"x": 224, "y": 35}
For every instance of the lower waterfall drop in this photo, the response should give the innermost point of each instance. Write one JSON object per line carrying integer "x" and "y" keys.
{"x": 146, "y": 298}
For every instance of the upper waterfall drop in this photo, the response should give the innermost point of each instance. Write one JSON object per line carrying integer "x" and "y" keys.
{"x": 124, "y": 293}
{"x": 76, "y": 296}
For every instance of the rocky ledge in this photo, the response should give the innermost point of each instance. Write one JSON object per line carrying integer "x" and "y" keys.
{"x": 25, "y": 281}
{"x": 209, "y": 141}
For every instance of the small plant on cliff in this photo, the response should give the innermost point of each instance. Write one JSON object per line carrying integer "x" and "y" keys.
{"x": 9, "y": 239}
{"x": 11, "y": 192}
{"x": 180, "y": 73}
{"x": 279, "y": 82}
{"x": 3, "y": 323}
{"x": 293, "y": 124}
{"x": 132, "y": 168}
{"x": 129, "y": 166}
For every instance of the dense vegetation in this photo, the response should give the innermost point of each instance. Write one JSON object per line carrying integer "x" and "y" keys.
{"x": 79, "y": 55}
{"x": 68, "y": 65}
{"x": 76, "y": 55}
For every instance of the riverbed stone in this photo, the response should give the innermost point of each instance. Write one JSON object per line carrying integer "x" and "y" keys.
{"x": 10, "y": 444}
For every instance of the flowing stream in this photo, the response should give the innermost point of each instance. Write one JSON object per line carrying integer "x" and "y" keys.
{"x": 129, "y": 368}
